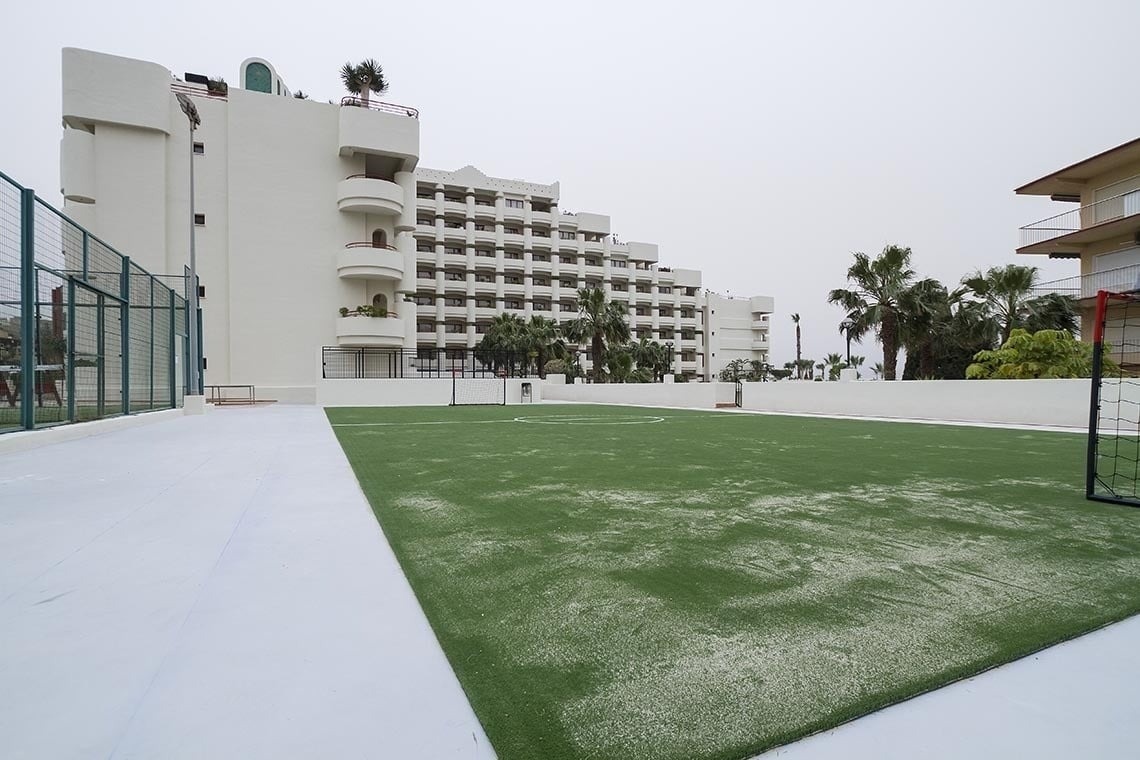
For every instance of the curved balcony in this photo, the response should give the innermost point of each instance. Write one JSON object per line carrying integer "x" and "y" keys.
{"x": 369, "y": 195}
{"x": 370, "y": 331}
{"x": 364, "y": 261}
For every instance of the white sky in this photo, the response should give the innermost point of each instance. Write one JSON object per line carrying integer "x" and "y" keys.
{"x": 761, "y": 143}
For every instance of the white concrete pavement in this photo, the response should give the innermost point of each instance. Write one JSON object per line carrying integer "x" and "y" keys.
{"x": 217, "y": 587}
{"x": 212, "y": 587}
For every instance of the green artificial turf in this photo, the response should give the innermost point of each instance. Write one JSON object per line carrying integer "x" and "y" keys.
{"x": 714, "y": 584}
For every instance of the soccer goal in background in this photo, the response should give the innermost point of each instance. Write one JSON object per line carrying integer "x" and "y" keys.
{"x": 474, "y": 391}
{"x": 1113, "y": 467}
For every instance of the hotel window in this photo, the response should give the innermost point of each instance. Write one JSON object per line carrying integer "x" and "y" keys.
{"x": 618, "y": 264}
{"x": 425, "y": 326}
{"x": 566, "y": 235}
{"x": 453, "y": 251}
{"x": 429, "y": 221}
{"x": 454, "y": 302}
{"x": 540, "y": 257}
{"x": 451, "y": 224}
{"x": 514, "y": 304}
{"x": 514, "y": 203}
{"x": 665, "y": 289}
{"x": 513, "y": 230}
{"x": 454, "y": 276}
{"x": 425, "y": 248}
{"x": 513, "y": 255}
{"x": 425, "y": 300}
{"x": 454, "y": 198}
{"x": 542, "y": 281}
{"x": 425, "y": 274}
{"x": 512, "y": 280}
{"x": 425, "y": 194}
{"x": 567, "y": 284}
{"x": 455, "y": 327}
{"x": 485, "y": 303}
{"x": 484, "y": 252}
{"x": 480, "y": 228}
{"x": 200, "y": 220}
{"x": 199, "y": 149}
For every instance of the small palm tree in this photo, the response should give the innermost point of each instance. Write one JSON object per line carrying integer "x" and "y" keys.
{"x": 821, "y": 367}
{"x": 543, "y": 341}
{"x": 799, "y": 367}
{"x": 599, "y": 322}
{"x": 834, "y": 364}
{"x": 877, "y": 368}
{"x": 364, "y": 78}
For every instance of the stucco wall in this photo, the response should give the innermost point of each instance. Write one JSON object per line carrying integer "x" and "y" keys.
{"x": 697, "y": 395}
{"x": 1032, "y": 402}
{"x": 413, "y": 392}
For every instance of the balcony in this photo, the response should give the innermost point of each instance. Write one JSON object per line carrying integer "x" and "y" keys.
{"x": 1084, "y": 286}
{"x": 1067, "y": 233}
{"x": 370, "y": 331}
{"x": 369, "y": 195}
{"x": 541, "y": 291}
{"x": 364, "y": 261}
{"x": 384, "y": 129}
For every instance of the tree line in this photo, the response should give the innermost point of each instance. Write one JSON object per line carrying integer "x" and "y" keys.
{"x": 950, "y": 333}
{"x": 551, "y": 348}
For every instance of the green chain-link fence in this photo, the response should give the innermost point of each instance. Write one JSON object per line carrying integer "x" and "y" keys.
{"x": 84, "y": 332}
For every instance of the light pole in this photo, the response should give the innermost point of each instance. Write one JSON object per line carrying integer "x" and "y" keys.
{"x": 191, "y": 112}
{"x": 846, "y": 326}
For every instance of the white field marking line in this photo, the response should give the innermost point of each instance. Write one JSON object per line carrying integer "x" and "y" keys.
{"x": 577, "y": 419}
{"x": 439, "y": 422}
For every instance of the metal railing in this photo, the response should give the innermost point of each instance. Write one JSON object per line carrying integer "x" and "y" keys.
{"x": 201, "y": 91}
{"x": 1119, "y": 280}
{"x": 377, "y": 105}
{"x": 371, "y": 363}
{"x": 1099, "y": 212}
{"x": 369, "y": 244}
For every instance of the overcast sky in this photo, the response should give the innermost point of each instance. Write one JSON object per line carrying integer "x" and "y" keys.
{"x": 760, "y": 143}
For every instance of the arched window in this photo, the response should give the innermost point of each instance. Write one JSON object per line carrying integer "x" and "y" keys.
{"x": 258, "y": 78}
{"x": 380, "y": 301}
{"x": 379, "y": 239}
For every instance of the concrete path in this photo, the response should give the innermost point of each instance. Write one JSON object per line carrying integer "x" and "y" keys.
{"x": 212, "y": 587}
{"x": 217, "y": 587}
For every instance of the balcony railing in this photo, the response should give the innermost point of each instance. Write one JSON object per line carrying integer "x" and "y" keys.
{"x": 1106, "y": 210}
{"x": 376, "y": 105}
{"x": 369, "y": 244}
{"x": 1117, "y": 280}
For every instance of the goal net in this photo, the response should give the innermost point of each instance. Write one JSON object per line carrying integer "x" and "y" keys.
{"x": 1113, "y": 467}
{"x": 470, "y": 391}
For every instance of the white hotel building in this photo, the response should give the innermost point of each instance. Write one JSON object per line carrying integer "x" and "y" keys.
{"x": 304, "y": 208}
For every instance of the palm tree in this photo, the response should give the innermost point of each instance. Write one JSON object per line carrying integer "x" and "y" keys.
{"x": 877, "y": 368}
{"x": 834, "y": 364}
{"x": 796, "y": 320}
{"x": 821, "y": 367}
{"x": 599, "y": 321}
{"x": 758, "y": 370}
{"x": 619, "y": 365}
{"x": 504, "y": 342}
{"x": 652, "y": 357}
{"x": 1004, "y": 291}
{"x": 873, "y": 302}
{"x": 543, "y": 341}
{"x": 364, "y": 78}
{"x": 1052, "y": 311}
{"x": 924, "y": 319}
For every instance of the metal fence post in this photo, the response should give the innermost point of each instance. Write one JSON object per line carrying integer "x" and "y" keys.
{"x": 27, "y": 308}
{"x": 69, "y": 356}
{"x": 173, "y": 367}
{"x": 125, "y": 332}
{"x": 150, "y": 371}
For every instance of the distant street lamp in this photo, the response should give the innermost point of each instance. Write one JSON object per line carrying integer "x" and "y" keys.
{"x": 846, "y": 326}
{"x": 191, "y": 112}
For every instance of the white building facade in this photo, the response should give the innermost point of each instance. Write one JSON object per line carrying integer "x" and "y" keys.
{"x": 305, "y": 209}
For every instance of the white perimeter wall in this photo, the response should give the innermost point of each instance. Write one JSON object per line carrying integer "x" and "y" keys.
{"x": 410, "y": 392}
{"x": 698, "y": 395}
{"x": 1026, "y": 402}
{"x": 1029, "y": 402}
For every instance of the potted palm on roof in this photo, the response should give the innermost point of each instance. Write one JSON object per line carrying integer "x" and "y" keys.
{"x": 364, "y": 78}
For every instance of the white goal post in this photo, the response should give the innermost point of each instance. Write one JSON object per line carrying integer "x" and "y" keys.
{"x": 472, "y": 391}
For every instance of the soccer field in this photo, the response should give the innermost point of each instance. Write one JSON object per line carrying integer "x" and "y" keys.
{"x": 618, "y": 582}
